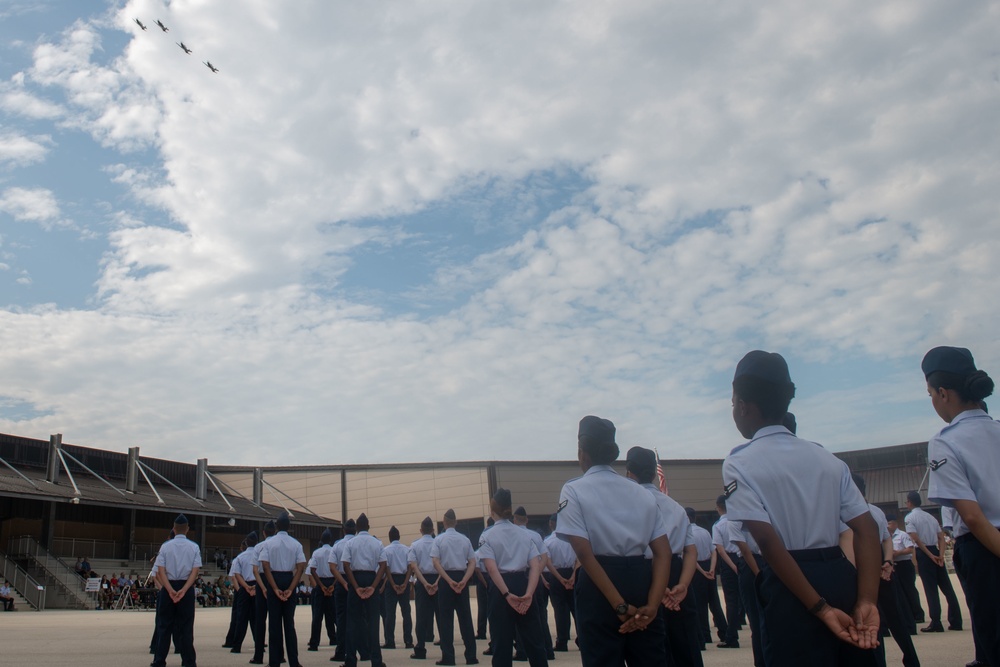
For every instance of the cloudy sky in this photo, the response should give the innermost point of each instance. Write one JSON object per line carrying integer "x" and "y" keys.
{"x": 420, "y": 231}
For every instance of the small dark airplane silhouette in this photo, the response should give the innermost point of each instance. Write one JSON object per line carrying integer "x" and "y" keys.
{"x": 140, "y": 24}
{"x": 211, "y": 66}
{"x": 162, "y": 27}
{"x": 186, "y": 49}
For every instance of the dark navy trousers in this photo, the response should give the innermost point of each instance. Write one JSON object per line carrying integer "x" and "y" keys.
{"x": 601, "y": 643}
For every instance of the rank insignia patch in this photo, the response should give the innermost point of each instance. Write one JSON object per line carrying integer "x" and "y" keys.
{"x": 730, "y": 488}
{"x": 562, "y": 506}
{"x": 937, "y": 464}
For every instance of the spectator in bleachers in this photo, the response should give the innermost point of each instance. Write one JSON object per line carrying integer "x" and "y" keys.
{"x": 85, "y": 568}
{"x": 78, "y": 567}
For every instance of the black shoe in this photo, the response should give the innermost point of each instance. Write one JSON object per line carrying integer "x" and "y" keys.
{"x": 520, "y": 657}
{"x": 560, "y": 648}
{"x": 388, "y": 646}
{"x": 227, "y": 646}
{"x": 408, "y": 645}
{"x": 933, "y": 627}
{"x": 418, "y": 655}
{"x": 480, "y": 636}
{"x": 437, "y": 643}
{"x": 235, "y": 650}
{"x": 977, "y": 663}
{"x": 337, "y": 657}
{"x": 957, "y": 628}
{"x": 445, "y": 662}
{"x": 728, "y": 645}
{"x": 312, "y": 648}
{"x": 333, "y": 642}
{"x": 257, "y": 661}
{"x": 488, "y": 651}
{"x": 474, "y": 661}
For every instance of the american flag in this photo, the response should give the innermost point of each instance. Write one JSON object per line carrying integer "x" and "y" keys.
{"x": 661, "y": 479}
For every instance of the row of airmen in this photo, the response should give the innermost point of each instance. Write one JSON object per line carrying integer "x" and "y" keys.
{"x": 791, "y": 496}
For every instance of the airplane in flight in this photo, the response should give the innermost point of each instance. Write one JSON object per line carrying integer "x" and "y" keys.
{"x": 211, "y": 66}
{"x": 186, "y": 49}
{"x": 162, "y": 27}
{"x": 140, "y": 24}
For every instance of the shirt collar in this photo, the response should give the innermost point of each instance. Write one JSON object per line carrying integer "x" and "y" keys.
{"x": 180, "y": 537}
{"x": 450, "y": 530}
{"x": 363, "y": 532}
{"x": 975, "y": 412}
{"x": 599, "y": 468}
{"x": 766, "y": 431}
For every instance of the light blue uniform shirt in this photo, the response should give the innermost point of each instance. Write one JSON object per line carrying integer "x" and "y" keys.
{"x": 674, "y": 518}
{"x": 479, "y": 557}
{"x": 510, "y": 546}
{"x": 924, "y": 525}
{"x": 721, "y": 536}
{"x": 453, "y": 549}
{"x": 702, "y": 542}
{"x": 364, "y": 552}
{"x": 321, "y": 561}
{"x": 420, "y": 553}
{"x": 178, "y": 557}
{"x": 737, "y": 533}
{"x": 900, "y": 541}
{"x": 396, "y": 555}
{"x": 560, "y": 552}
{"x": 880, "y": 521}
{"x": 965, "y": 465}
{"x": 802, "y": 490}
{"x": 337, "y": 551}
{"x": 539, "y": 542}
{"x": 282, "y": 552}
{"x": 617, "y": 516}
{"x": 257, "y": 550}
{"x": 243, "y": 566}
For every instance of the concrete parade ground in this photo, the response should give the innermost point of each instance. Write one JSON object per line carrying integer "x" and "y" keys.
{"x": 119, "y": 638}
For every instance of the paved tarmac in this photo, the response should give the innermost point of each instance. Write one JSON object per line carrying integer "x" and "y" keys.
{"x": 114, "y": 638}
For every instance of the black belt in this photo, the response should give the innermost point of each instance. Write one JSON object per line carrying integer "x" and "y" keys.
{"x": 363, "y": 571}
{"x": 621, "y": 560}
{"x": 968, "y": 537}
{"x": 824, "y": 553}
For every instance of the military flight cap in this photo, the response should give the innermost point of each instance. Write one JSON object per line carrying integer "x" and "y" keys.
{"x": 768, "y": 366}
{"x": 957, "y": 360}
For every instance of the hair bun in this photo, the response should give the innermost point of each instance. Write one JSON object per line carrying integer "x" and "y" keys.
{"x": 978, "y": 385}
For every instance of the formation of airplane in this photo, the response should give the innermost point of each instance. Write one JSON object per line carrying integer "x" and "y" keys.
{"x": 184, "y": 47}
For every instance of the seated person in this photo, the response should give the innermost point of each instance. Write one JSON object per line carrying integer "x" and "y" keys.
{"x": 7, "y": 596}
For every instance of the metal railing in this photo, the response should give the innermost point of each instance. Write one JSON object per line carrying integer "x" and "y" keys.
{"x": 55, "y": 567}
{"x": 30, "y": 590}
{"x": 70, "y": 547}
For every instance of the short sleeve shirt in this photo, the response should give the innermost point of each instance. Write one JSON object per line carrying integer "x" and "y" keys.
{"x": 617, "y": 516}
{"x": 702, "y": 542}
{"x": 965, "y": 465}
{"x": 396, "y": 555}
{"x": 510, "y": 546}
{"x": 924, "y": 525}
{"x": 178, "y": 557}
{"x": 420, "y": 554}
{"x": 453, "y": 550}
{"x": 363, "y": 553}
{"x": 674, "y": 518}
{"x": 802, "y": 490}
{"x": 282, "y": 552}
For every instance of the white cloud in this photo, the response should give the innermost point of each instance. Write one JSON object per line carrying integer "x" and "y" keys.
{"x": 23, "y": 103}
{"x": 816, "y": 180}
{"x": 30, "y": 204}
{"x": 20, "y": 150}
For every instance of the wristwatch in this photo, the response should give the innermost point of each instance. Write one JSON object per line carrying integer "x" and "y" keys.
{"x": 506, "y": 594}
{"x": 622, "y": 609}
